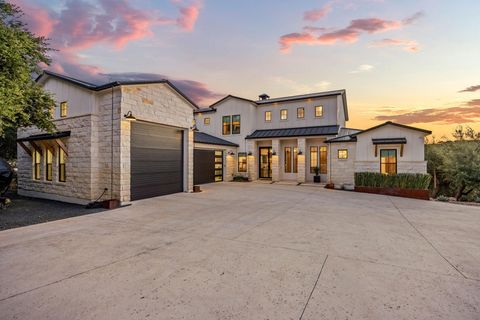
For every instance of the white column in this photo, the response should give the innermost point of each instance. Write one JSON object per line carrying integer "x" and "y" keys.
{"x": 302, "y": 165}
{"x": 252, "y": 160}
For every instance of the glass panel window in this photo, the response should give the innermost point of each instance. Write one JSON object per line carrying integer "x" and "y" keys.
{"x": 318, "y": 111}
{"x": 62, "y": 160}
{"x": 268, "y": 116}
{"x": 236, "y": 124}
{"x": 218, "y": 165}
{"x": 227, "y": 125}
{"x": 37, "y": 159}
{"x": 283, "y": 114}
{"x": 206, "y": 121}
{"x": 300, "y": 113}
{"x": 48, "y": 165}
{"x": 323, "y": 159}
{"x": 342, "y": 154}
{"x": 63, "y": 109}
{"x": 313, "y": 159}
{"x": 288, "y": 159}
{"x": 388, "y": 161}
{"x": 295, "y": 160}
{"x": 242, "y": 162}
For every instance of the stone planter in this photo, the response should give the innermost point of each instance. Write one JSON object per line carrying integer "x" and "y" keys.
{"x": 111, "y": 204}
{"x": 406, "y": 193}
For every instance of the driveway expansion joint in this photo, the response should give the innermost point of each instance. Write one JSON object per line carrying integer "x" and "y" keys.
{"x": 313, "y": 289}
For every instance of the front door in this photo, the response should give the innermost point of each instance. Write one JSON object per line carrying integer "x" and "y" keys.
{"x": 265, "y": 162}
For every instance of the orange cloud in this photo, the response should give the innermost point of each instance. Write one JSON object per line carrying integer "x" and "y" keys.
{"x": 407, "y": 45}
{"x": 317, "y": 14}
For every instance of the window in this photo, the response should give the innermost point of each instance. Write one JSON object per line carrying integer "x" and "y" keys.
{"x": 283, "y": 114}
{"x": 388, "y": 161}
{"x": 48, "y": 165}
{"x": 313, "y": 159}
{"x": 227, "y": 125}
{"x": 62, "y": 159}
{"x": 323, "y": 159}
{"x": 300, "y": 113}
{"x": 236, "y": 124}
{"x": 206, "y": 121}
{"x": 268, "y": 116}
{"x": 318, "y": 111}
{"x": 342, "y": 154}
{"x": 63, "y": 109}
{"x": 288, "y": 159}
{"x": 37, "y": 158}
{"x": 242, "y": 162}
{"x": 218, "y": 165}
{"x": 295, "y": 160}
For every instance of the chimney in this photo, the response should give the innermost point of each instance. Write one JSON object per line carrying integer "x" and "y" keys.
{"x": 264, "y": 96}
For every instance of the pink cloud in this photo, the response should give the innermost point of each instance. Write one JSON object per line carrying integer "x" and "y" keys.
{"x": 37, "y": 18}
{"x": 349, "y": 34}
{"x": 407, "y": 45}
{"x": 317, "y": 14}
{"x": 188, "y": 16}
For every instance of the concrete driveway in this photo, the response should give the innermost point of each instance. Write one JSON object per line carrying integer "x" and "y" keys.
{"x": 248, "y": 251}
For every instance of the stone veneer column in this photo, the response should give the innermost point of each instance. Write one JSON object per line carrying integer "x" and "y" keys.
{"x": 276, "y": 160}
{"x": 125, "y": 129}
{"x": 229, "y": 164}
{"x": 302, "y": 166}
{"x": 190, "y": 145}
{"x": 252, "y": 162}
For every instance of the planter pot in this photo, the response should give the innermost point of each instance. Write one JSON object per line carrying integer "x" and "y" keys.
{"x": 329, "y": 186}
{"x": 406, "y": 193}
{"x": 316, "y": 179}
{"x": 196, "y": 189}
{"x": 111, "y": 204}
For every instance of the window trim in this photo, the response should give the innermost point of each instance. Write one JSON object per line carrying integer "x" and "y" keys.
{"x": 62, "y": 165}
{"x": 229, "y": 126}
{"x": 239, "y": 123}
{"x": 269, "y": 112}
{"x": 388, "y": 163}
{"x": 295, "y": 160}
{"x": 323, "y": 155}
{"x": 37, "y": 165}
{"x": 63, "y": 111}
{"x": 281, "y": 114}
{"x": 287, "y": 159}
{"x": 315, "y": 148}
{"x": 206, "y": 121}
{"x": 321, "y": 108}
{"x": 48, "y": 165}
{"x": 303, "y": 113}
{"x": 242, "y": 155}
{"x": 346, "y": 153}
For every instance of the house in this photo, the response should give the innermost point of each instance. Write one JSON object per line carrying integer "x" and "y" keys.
{"x": 130, "y": 140}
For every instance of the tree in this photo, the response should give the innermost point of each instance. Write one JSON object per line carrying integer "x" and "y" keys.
{"x": 434, "y": 153}
{"x": 23, "y": 102}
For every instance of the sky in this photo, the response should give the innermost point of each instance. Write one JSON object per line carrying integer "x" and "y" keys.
{"x": 411, "y": 62}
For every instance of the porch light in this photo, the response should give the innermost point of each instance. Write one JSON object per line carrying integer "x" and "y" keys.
{"x": 129, "y": 116}
{"x": 300, "y": 152}
{"x": 231, "y": 153}
{"x": 250, "y": 153}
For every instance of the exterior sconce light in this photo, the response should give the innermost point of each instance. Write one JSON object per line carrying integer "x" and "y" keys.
{"x": 300, "y": 152}
{"x": 250, "y": 153}
{"x": 231, "y": 153}
{"x": 129, "y": 116}
{"x": 274, "y": 153}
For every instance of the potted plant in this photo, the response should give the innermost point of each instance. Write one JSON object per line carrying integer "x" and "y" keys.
{"x": 316, "y": 177}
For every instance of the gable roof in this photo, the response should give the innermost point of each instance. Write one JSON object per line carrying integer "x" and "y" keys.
{"x": 230, "y": 97}
{"x": 294, "y": 132}
{"x": 201, "y": 137}
{"x": 393, "y": 124}
{"x": 94, "y": 87}
{"x": 347, "y": 138}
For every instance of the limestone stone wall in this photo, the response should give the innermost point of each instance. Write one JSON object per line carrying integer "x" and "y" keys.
{"x": 342, "y": 170}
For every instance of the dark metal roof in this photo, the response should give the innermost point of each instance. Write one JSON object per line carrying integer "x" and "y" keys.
{"x": 390, "y": 141}
{"x": 201, "y": 137}
{"x": 46, "y": 136}
{"x": 294, "y": 132}
{"x": 94, "y": 87}
{"x": 205, "y": 110}
{"x": 347, "y": 138}
{"x": 394, "y": 124}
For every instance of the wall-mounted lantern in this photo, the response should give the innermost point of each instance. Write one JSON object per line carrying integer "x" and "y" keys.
{"x": 250, "y": 153}
{"x": 231, "y": 153}
{"x": 300, "y": 152}
{"x": 129, "y": 116}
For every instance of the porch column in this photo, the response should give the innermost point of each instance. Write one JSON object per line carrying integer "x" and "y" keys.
{"x": 302, "y": 147}
{"x": 252, "y": 160}
{"x": 276, "y": 160}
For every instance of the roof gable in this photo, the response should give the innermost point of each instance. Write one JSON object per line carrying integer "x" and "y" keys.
{"x": 393, "y": 124}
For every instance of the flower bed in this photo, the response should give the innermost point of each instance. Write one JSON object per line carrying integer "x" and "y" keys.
{"x": 406, "y": 193}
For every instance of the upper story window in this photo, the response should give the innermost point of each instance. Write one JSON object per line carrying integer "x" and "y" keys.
{"x": 283, "y": 114}
{"x": 300, "y": 113}
{"x": 236, "y": 124}
{"x": 206, "y": 121}
{"x": 63, "y": 109}
{"x": 388, "y": 161}
{"x": 226, "y": 125}
{"x": 342, "y": 154}
{"x": 268, "y": 116}
{"x": 318, "y": 111}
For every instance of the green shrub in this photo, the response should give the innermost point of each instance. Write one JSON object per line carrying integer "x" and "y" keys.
{"x": 240, "y": 179}
{"x": 443, "y": 198}
{"x": 401, "y": 180}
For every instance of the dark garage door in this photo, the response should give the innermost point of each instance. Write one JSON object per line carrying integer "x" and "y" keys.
{"x": 156, "y": 155}
{"x": 207, "y": 166}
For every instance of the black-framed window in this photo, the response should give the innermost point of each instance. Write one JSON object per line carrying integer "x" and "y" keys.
{"x": 218, "y": 165}
{"x": 49, "y": 165}
{"x": 323, "y": 159}
{"x": 295, "y": 160}
{"x": 268, "y": 116}
{"x": 37, "y": 160}
{"x": 236, "y": 124}
{"x": 226, "y": 125}
{"x": 288, "y": 159}
{"x": 284, "y": 114}
{"x": 318, "y": 111}
{"x": 301, "y": 113}
{"x": 63, "y": 109}
{"x": 313, "y": 159}
{"x": 388, "y": 161}
{"x": 206, "y": 121}
{"x": 242, "y": 162}
{"x": 342, "y": 154}
{"x": 62, "y": 161}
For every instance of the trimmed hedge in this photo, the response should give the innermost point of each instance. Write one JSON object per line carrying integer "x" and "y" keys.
{"x": 417, "y": 181}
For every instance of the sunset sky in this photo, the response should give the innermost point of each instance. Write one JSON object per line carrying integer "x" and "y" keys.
{"x": 413, "y": 62}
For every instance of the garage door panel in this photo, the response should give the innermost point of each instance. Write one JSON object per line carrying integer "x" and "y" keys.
{"x": 155, "y": 155}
